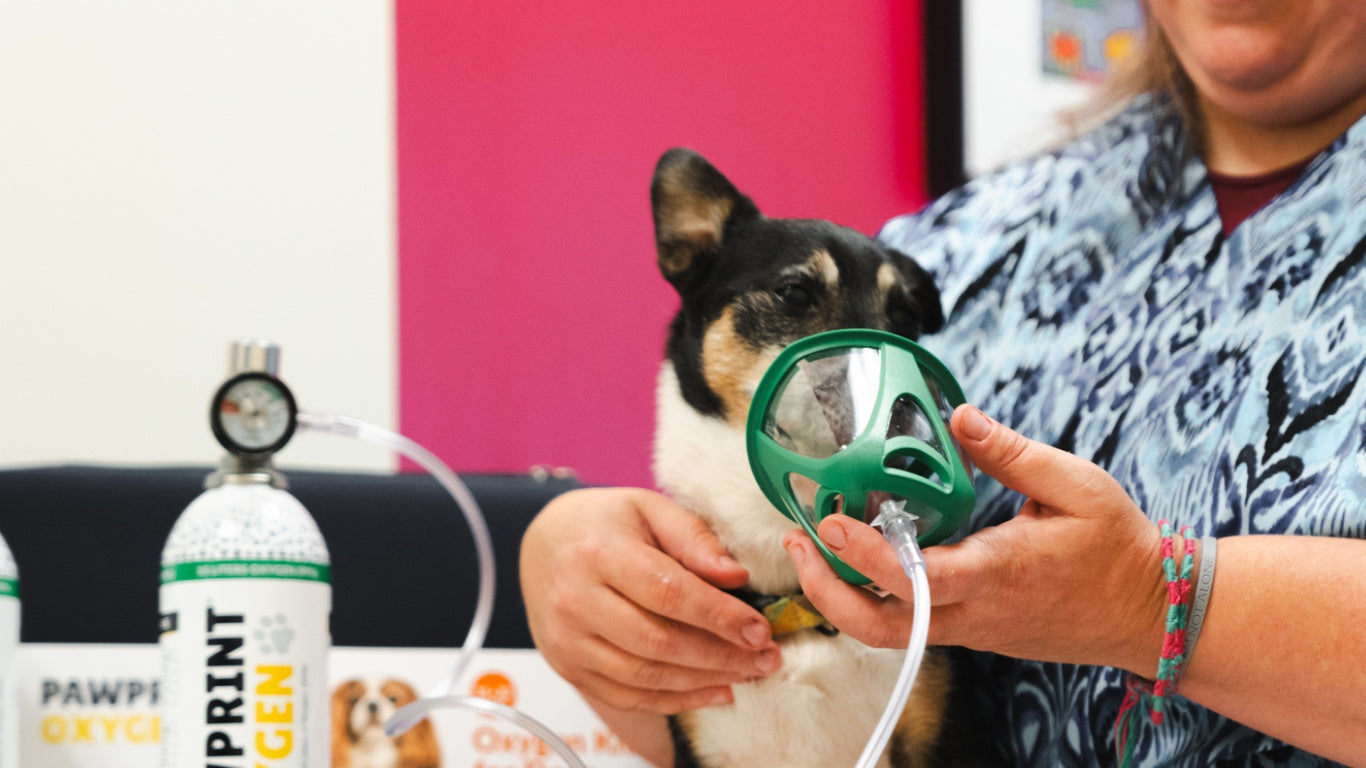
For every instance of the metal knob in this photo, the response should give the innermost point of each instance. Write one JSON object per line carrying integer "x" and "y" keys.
{"x": 254, "y": 355}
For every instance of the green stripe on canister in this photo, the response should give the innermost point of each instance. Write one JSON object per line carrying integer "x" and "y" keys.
{"x": 246, "y": 569}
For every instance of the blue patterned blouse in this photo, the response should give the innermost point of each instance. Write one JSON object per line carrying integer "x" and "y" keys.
{"x": 1094, "y": 304}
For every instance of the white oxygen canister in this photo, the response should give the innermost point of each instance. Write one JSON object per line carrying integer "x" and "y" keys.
{"x": 245, "y": 605}
{"x": 9, "y": 651}
{"x": 246, "y": 599}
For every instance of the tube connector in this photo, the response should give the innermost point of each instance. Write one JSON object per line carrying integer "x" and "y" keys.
{"x": 899, "y": 528}
{"x": 326, "y": 422}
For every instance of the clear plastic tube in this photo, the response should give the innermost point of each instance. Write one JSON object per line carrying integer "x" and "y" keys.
{"x": 899, "y": 528}
{"x": 422, "y": 707}
{"x": 483, "y": 541}
{"x": 442, "y": 694}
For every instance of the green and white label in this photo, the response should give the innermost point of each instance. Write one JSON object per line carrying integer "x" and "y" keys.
{"x": 244, "y": 665}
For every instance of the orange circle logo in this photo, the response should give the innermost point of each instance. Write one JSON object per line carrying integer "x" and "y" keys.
{"x": 496, "y": 687}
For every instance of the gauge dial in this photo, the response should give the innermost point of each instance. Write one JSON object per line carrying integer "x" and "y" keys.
{"x": 253, "y": 413}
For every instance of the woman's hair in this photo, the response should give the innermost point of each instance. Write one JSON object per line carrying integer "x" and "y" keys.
{"x": 1152, "y": 68}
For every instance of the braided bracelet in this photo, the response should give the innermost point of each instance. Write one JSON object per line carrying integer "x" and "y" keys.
{"x": 1173, "y": 644}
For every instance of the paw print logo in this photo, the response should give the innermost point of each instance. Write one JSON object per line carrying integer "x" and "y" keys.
{"x": 275, "y": 635}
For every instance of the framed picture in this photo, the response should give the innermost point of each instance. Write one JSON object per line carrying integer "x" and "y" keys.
{"x": 999, "y": 74}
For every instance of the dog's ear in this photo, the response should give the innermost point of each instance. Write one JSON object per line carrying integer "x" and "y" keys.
{"x": 344, "y": 696}
{"x": 921, "y": 292}
{"x": 418, "y": 748}
{"x": 692, "y": 204}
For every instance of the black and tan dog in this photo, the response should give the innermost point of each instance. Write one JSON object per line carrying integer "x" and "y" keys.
{"x": 750, "y": 285}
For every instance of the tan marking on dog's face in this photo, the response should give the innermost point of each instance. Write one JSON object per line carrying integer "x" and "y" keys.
{"x": 731, "y": 367}
{"x": 887, "y": 277}
{"x": 823, "y": 264}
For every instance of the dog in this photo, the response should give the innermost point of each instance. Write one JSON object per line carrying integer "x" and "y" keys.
{"x": 748, "y": 286}
{"x": 360, "y": 708}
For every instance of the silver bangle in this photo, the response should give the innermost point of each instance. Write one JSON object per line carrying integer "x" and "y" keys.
{"x": 1203, "y": 586}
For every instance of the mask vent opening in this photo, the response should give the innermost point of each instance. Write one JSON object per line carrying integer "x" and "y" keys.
{"x": 914, "y": 466}
{"x": 910, "y": 420}
{"x": 804, "y": 491}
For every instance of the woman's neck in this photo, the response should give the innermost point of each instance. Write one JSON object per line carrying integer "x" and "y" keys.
{"x": 1239, "y": 147}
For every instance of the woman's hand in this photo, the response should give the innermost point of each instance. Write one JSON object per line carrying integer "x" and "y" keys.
{"x": 623, "y": 595}
{"x": 1075, "y": 576}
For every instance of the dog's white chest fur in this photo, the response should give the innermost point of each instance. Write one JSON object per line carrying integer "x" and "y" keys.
{"x": 701, "y": 462}
{"x": 818, "y": 710}
{"x": 821, "y": 707}
{"x": 374, "y": 751}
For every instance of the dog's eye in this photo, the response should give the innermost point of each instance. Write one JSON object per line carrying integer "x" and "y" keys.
{"x": 796, "y": 295}
{"x": 903, "y": 320}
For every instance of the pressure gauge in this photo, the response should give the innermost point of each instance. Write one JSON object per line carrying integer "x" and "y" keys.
{"x": 253, "y": 414}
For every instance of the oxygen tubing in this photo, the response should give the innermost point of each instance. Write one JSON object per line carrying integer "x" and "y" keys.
{"x": 899, "y": 529}
{"x": 442, "y": 695}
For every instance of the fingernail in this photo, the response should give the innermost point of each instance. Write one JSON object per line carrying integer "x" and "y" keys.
{"x": 767, "y": 663}
{"x": 726, "y": 561}
{"x": 721, "y": 698}
{"x": 975, "y": 424}
{"x": 796, "y": 552}
{"x": 756, "y": 634}
{"x": 834, "y": 536}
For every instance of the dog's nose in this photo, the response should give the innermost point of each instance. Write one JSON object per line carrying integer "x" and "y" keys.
{"x": 373, "y": 707}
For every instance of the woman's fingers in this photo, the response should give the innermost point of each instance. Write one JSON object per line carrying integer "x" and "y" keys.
{"x": 685, "y": 637}
{"x": 1051, "y": 477}
{"x": 700, "y": 661}
{"x": 663, "y": 589}
{"x": 614, "y": 693}
{"x": 685, "y": 537}
{"x": 615, "y": 609}
{"x": 874, "y": 620}
{"x": 863, "y": 547}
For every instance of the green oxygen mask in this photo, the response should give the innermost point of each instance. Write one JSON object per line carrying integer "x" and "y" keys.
{"x": 855, "y": 422}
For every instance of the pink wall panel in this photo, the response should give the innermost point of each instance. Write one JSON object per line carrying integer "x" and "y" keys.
{"x": 531, "y": 314}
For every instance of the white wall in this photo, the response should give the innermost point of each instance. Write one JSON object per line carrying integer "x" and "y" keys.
{"x": 175, "y": 175}
{"x": 1010, "y": 106}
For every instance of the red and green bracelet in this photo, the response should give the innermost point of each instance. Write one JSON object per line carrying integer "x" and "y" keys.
{"x": 1173, "y": 645}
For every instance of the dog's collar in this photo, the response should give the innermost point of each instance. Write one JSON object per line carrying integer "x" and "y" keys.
{"x": 786, "y": 613}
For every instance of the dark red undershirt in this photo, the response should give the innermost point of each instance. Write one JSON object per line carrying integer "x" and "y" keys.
{"x": 1241, "y": 196}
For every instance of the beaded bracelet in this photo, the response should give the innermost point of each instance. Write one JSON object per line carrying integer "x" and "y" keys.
{"x": 1173, "y": 645}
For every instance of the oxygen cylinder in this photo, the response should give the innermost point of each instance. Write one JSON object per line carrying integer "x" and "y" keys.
{"x": 245, "y": 603}
{"x": 9, "y": 651}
